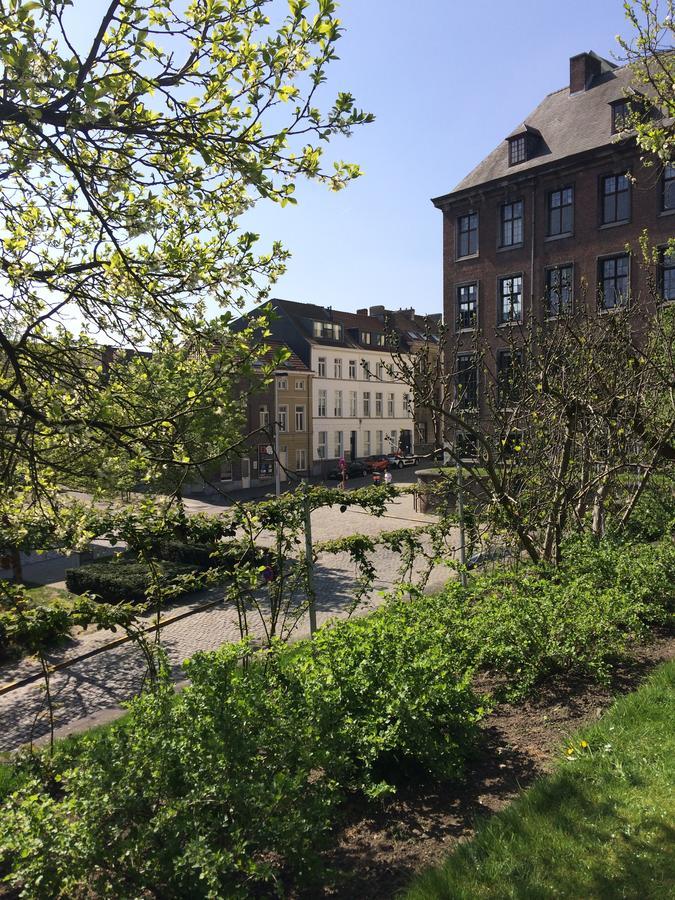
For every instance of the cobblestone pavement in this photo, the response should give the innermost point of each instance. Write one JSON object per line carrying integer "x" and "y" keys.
{"x": 89, "y": 688}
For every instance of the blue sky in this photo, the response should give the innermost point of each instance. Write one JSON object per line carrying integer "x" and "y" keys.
{"x": 447, "y": 80}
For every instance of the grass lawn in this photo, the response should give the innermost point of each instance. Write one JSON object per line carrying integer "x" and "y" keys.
{"x": 41, "y": 595}
{"x": 602, "y": 826}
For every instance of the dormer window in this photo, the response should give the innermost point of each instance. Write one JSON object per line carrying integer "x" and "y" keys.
{"x": 517, "y": 150}
{"x": 327, "y": 331}
{"x": 620, "y": 114}
{"x": 523, "y": 144}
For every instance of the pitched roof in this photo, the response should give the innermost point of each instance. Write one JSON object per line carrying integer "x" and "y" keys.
{"x": 568, "y": 123}
{"x": 293, "y": 362}
{"x": 304, "y": 314}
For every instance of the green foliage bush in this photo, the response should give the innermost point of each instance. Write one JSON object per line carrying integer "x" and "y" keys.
{"x": 575, "y": 620}
{"x": 232, "y": 784}
{"x": 231, "y": 787}
{"x": 123, "y": 579}
{"x": 654, "y": 513}
{"x": 206, "y": 555}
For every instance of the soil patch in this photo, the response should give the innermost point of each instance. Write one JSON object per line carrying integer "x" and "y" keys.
{"x": 382, "y": 845}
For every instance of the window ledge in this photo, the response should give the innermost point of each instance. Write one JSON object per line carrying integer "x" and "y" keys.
{"x": 470, "y": 256}
{"x": 510, "y": 322}
{"x": 471, "y": 330}
{"x": 614, "y": 224}
{"x": 507, "y": 247}
{"x": 558, "y": 237}
{"x": 667, "y": 212}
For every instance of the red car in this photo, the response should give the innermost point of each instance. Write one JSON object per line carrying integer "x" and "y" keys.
{"x": 378, "y": 462}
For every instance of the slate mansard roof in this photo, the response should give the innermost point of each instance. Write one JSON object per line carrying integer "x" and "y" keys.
{"x": 569, "y": 124}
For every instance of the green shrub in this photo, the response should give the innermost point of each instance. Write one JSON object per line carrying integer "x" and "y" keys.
{"x": 654, "y": 512}
{"x": 385, "y": 691}
{"x": 231, "y": 785}
{"x": 207, "y": 555}
{"x": 121, "y": 579}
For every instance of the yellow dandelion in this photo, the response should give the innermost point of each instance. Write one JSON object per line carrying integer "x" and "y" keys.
{"x": 584, "y": 744}
{"x": 570, "y": 751}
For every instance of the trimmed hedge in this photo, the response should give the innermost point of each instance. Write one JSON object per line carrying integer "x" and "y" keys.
{"x": 206, "y": 556}
{"x": 120, "y": 579}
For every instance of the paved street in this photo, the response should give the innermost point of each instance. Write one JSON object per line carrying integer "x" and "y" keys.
{"x": 92, "y": 690}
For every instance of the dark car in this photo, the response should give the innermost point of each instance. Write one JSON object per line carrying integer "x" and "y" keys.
{"x": 355, "y": 469}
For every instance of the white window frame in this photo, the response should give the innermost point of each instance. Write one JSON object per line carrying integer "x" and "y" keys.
{"x": 321, "y": 367}
{"x": 300, "y": 417}
{"x": 338, "y": 404}
{"x": 322, "y": 404}
{"x": 337, "y": 368}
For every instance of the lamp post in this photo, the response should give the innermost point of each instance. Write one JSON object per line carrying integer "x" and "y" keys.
{"x": 460, "y": 514}
{"x": 277, "y": 471}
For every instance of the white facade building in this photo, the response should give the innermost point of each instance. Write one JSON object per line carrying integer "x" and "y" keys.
{"x": 357, "y": 413}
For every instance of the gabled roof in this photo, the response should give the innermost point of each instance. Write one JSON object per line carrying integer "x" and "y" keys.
{"x": 304, "y": 314}
{"x": 292, "y": 363}
{"x": 568, "y": 123}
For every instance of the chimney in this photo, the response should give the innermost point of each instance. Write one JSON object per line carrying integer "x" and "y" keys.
{"x": 584, "y": 68}
{"x": 377, "y": 311}
{"x": 361, "y": 312}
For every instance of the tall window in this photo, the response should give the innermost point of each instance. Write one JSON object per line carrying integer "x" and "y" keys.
{"x": 282, "y": 383}
{"x": 467, "y": 235}
{"x": 466, "y": 381}
{"x": 322, "y": 409}
{"x": 667, "y": 275}
{"x": 366, "y": 404}
{"x": 366, "y": 443}
{"x": 390, "y": 406}
{"x": 559, "y": 281}
{"x": 338, "y": 404}
{"x": 321, "y": 443}
{"x": 379, "y": 371}
{"x": 510, "y": 299}
{"x": 517, "y": 150}
{"x": 337, "y": 368}
{"x": 508, "y": 373}
{"x": 379, "y": 442}
{"x": 378, "y": 405}
{"x": 282, "y": 418}
{"x": 300, "y": 384}
{"x": 615, "y": 199}
{"x": 264, "y": 416}
{"x": 366, "y": 370}
{"x": 669, "y": 186}
{"x": 613, "y": 281}
{"x": 407, "y": 405}
{"x": 339, "y": 445}
{"x": 511, "y": 224}
{"x": 466, "y": 306}
{"x": 561, "y": 212}
{"x": 352, "y": 369}
{"x": 300, "y": 418}
{"x": 300, "y": 459}
{"x": 321, "y": 367}
{"x": 353, "y": 404}
{"x": 393, "y": 439}
{"x": 365, "y": 337}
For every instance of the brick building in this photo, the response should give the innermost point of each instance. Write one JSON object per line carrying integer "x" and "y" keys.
{"x": 552, "y": 217}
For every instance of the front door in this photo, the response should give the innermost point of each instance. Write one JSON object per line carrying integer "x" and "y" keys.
{"x": 352, "y": 445}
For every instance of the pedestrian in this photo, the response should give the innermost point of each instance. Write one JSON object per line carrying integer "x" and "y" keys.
{"x": 388, "y": 477}
{"x": 377, "y": 477}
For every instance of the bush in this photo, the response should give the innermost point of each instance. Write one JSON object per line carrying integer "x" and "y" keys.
{"x": 576, "y": 620}
{"x": 654, "y": 512}
{"x": 128, "y": 580}
{"x": 231, "y": 785}
{"x": 207, "y": 555}
{"x": 386, "y": 691}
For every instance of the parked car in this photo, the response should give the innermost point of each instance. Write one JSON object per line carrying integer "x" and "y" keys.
{"x": 355, "y": 469}
{"x": 378, "y": 462}
{"x": 398, "y": 460}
